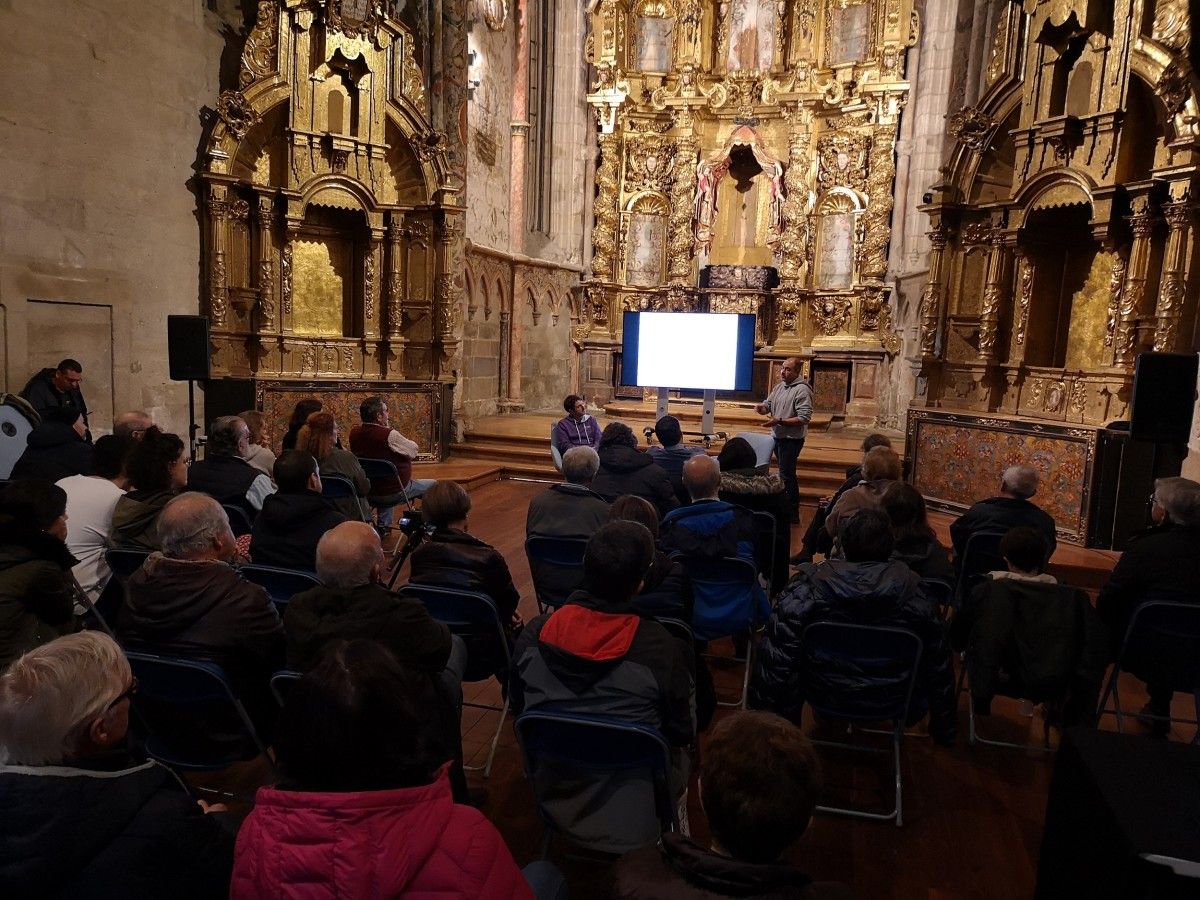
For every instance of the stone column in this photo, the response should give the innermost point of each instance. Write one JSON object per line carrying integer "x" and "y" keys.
{"x": 998, "y": 284}
{"x": 1173, "y": 286}
{"x": 1133, "y": 294}
{"x": 931, "y": 296}
{"x": 218, "y": 279}
{"x": 519, "y": 140}
{"x": 266, "y": 265}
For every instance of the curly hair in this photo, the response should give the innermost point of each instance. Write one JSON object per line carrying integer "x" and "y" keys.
{"x": 150, "y": 459}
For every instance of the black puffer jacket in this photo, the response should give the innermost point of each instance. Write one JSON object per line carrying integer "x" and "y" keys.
{"x": 624, "y": 470}
{"x": 54, "y": 451}
{"x": 454, "y": 558}
{"x": 36, "y": 594}
{"x": 870, "y": 593}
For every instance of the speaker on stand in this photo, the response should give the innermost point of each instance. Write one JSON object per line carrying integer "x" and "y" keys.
{"x": 189, "y": 358}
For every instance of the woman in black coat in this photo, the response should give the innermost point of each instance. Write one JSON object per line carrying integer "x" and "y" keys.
{"x": 625, "y": 470}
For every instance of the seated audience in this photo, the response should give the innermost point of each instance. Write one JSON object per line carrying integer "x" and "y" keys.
{"x": 816, "y": 538}
{"x": 260, "y": 455}
{"x": 295, "y": 517}
{"x": 866, "y": 587}
{"x": 881, "y": 468}
{"x": 625, "y": 470}
{"x": 743, "y": 485}
{"x": 915, "y": 544}
{"x": 37, "y": 595}
{"x": 157, "y": 469}
{"x": 375, "y": 438}
{"x": 91, "y": 501}
{"x": 55, "y": 449}
{"x": 576, "y": 428}
{"x": 319, "y": 437}
{"x": 571, "y": 509}
{"x": 132, "y": 424}
{"x": 671, "y": 453}
{"x": 595, "y": 655}
{"x": 759, "y": 778}
{"x": 665, "y": 589}
{"x": 360, "y": 784}
{"x": 300, "y": 414}
{"x": 454, "y": 558}
{"x": 189, "y": 601}
{"x": 1028, "y": 636}
{"x": 1009, "y": 510}
{"x": 224, "y": 474}
{"x": 81, "y": 817}
{"x": 1162, "y": 563}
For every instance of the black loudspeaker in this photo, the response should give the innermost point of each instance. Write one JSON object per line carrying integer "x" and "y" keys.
{"x": 227, "y": 397}
{"x": 1122, "y": 480}
{"x": 1164, "y": 394}
{"x": 187, "y": 348}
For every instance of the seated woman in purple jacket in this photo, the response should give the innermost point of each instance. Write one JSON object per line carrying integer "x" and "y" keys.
{"x": 576, "y": 428}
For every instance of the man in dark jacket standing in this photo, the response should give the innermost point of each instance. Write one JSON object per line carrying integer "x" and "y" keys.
{"x": 626, "y": 470}
{"x": 224, "y": 474}
{"x": 595, "y": 655}
{"x": 1009, "y": 510}
{"x": 864, "y": 588}
{"x": 294, "y": 518}
{"x": 57, "y": 390}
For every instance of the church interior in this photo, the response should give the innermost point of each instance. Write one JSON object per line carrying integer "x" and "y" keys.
{"x": 969, "y": 222}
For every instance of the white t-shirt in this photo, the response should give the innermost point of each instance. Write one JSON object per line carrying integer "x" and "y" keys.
{"x": 90, "y": 505}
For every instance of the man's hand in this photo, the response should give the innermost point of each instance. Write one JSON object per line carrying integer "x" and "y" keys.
{"x": 761, "y": 409}
{"x": 213, "y": 807}
{"x": 770, "y": 423}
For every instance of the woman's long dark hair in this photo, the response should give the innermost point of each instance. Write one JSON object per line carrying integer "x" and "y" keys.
{"x": 148, "y": 465}
{"x": 905, "y": 508}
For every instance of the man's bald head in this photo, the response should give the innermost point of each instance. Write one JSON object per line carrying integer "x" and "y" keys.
{"x": 193, "y": 526}
{"x": 349, "y": 555}
{"x": 132, "y": 424}
{"x": 702, "y": 477}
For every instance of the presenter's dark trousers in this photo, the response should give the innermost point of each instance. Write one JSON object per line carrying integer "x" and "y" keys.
{"x": 787, "y": 451}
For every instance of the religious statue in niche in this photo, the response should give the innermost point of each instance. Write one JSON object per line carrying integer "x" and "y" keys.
{"x": 849, "y": 26}
{"x": 646, "y": 244}
{"x": 835, "y": 251}
{"x": 654, "y": 33}
{"x": 752, "y": 27}
{"x": 742, "y": 214}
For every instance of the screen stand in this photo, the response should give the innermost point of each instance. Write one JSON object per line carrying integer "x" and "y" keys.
{"x": 710, "y": 405}
{"x": 664, "y": 399}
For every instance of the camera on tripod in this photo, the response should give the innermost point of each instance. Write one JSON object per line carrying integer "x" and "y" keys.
{"x": 413, "y": 531}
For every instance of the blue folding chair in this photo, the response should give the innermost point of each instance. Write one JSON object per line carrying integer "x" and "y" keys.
{"x": 473, "y": 617}
{"x": 764, "y": 545}
{"x": 281, "y": 584}
{"x": 882, "y": 663}
{"x": 282, "y": 683}
{"x": 1161, "y": 645}
{"x": 980, "y": 556}
{"x": 124, "y": 562}
{"x": 626, "y": 763}
{"x": 555, "y": 453}
{"x": 728, "y": 601}
{"x": 382, "y": 470}
{"x": 942, "y": 592}
{"x": 556, "y": 565}
{"x": 239, "y": 522}
{"x": 194, "y": 720}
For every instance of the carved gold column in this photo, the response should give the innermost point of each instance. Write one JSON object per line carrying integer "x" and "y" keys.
{"x": 604, "y": 233}
{"x": 448, "y": 287}
{"x": 266, "y": 265}
{"x": 286, "y": 256}
{"x": 1173, "y": 289}
{"x": 370, "y": 281}
{"x": 931, "y": 296}
{"x": 998, "y": 284}
{"x": 683, "y": 192}
{"x": 395, "y": 296}
{"x": 1024, "y": 297}
{"x": 877, "y": 219}
{"x": 218, "y": 280}
{"x": 1133, "y": 294}
{"x": 793, "y": 265}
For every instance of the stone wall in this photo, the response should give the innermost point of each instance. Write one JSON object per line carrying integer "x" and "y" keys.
{"x": 98, "y": 237}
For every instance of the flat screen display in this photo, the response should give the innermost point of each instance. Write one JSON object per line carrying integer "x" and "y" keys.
{"x": 695, "y": 351}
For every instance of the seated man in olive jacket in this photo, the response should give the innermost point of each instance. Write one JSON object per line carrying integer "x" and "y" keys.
{"x": 295, "y": 517}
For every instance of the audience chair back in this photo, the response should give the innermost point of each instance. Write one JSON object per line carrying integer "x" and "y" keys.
{"x": 765, "y": 536}
{"x": 556, "y": 565}
{"x": 1162, "y": 646}
{"x": 124, "y": 562}
{"x": 570, "y": 758}
{"x": 336, "y": 487}
{"x": 378, "y": 470}
{"x": 474, "y": 618}
{"x": 192, "y": 718}
{"x": 282, "y": 683}
{"x": 942, "y": 592}
{"x": 555, "y": 453}
{"x": 980, "y": 556}
{"x": 678, "y": 629}
{"x": 239, "y": 522}
{"x": 882, "y": 663}
{"x": 280, "y": 584}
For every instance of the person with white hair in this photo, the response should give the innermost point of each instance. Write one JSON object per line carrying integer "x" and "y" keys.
{"x": 571, "y": 509}
{"x": 81, "y": 817}
{"x": 1162, "y": 563}
{"x": 187, "y": 600}
{"x": 1012, "y": 508}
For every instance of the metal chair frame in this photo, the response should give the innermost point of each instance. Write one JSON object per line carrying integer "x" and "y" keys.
{"x": 120, "y": 561}
{"x": 375, "y": 469}
{"x": 665, "y": 810}
{"x": 280, "y": 678}
{"x": 765, "y": 527}
{"x": 964, "y": 568}
{"x": 555, "y": 453}
{"x": 901, "y": 717}
{"x": 265, "y": 575}
{"x": 552, "y": 550}
{"x": 239, "y": 521}
{"x": 457, "y": 623}
{"x": 1148, "y": 608}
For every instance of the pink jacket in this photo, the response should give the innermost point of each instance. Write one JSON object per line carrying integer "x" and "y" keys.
{"x": 409, "y": 842}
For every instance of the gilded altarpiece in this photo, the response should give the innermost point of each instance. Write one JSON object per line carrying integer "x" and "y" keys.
{"x": 332, "y": 212}
{"x": 752, "y": 173}
{"x": 1064, "y": 234}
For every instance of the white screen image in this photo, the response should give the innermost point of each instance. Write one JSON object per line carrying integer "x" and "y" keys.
{"x": 688, "y": 350}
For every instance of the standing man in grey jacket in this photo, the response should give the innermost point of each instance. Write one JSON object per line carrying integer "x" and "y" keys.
{"x": 789, "y": 408}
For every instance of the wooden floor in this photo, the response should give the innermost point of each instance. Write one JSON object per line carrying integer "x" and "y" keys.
{"x": 973, "y": 816}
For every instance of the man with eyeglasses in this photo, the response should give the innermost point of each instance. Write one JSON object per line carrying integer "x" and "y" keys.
{"x": 82, "y": 817}
{"x": 56, "y": 391}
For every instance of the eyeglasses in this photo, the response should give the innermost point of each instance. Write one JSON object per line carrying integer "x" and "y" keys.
{"x": 1154, "y": 499}
{"x": 125, "y": 694}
